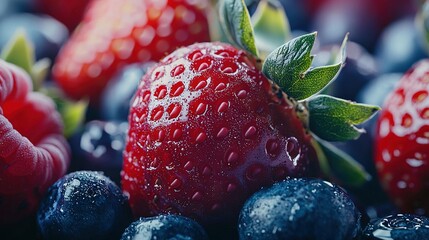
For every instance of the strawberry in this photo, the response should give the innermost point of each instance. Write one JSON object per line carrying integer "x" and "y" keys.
{"x": 115, "y": 33}
{"x": 33, "y": 151}
{"x": 210, "y": 96}
{"x": 402, "y": 153}
{"x": 209, "y": 127}
{"x": 70, "y": 13}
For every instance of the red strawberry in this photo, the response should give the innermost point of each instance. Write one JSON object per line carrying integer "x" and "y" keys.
{"x": 114, "y": 33}
{"x": 68, "y": 12}
{"x": 206, "y": 131}
{"x": 402, "y": 150}
{"x": 33, "y": 151}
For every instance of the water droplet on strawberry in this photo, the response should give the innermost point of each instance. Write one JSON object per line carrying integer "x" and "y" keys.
{"x": 177, "y": 70}
{"x": 177, "y": 89}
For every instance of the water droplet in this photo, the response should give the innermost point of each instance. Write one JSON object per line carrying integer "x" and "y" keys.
{"x": 242, "y": 94}
{"x": 222, "y": 53}
{"x": 154, "y": 164}
{"x": 231, "y": 187}
{"x": 253, "y": 172}
{"x": 157, "y": 113}
{"x": 407, "y": 120}
{"x": 201, "y": 108}
{"x": 419, "y": 96}
{"x": 201, "y": 84}
{"x": 293, "y": 149}
{"x": 188, "y": 166}
{"x": 177, "y": 70}
{"x": 161, "y": 135}
{"x": 215, "y": 207}
{"x": 207, "y": 171}
{"x": 146, "y": 96}
{"x": 176, "y": 184}
{"x": 195, "y": 55}
{"x": 221, "y": 86}
{"x": 250, "y": 132}
{"x": 174, "y": 110}
{"x": 272, "y": 147}
{"x": 197, "y": 196}
{"x": 414, "y": 162}
{"x": 177, "y": 89}
{"x": 223, "y": 106}
{"x": 177, "y": 133}
{"x": 229, "y": 68}
{"x": 232, "y": 157}
{"x": 222, "y": 132}
{"x": 201, "y": 137}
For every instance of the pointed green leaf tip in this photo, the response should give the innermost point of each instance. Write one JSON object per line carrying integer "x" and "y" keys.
{"x": 338, "y": 165}
{"x": 289, "y": 67}
{"x": 237, "y": 25}
{"x": 19, "y": 51}
{"x": 270, "y": 25}
{"x": 334, "y": 119}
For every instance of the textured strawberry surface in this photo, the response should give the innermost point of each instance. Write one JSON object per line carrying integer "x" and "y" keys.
{"x": 402, "y": 144}
{"x": 207, "y": 129}
{"x": 114, "y": 33}
{"x": 33, "y": 151}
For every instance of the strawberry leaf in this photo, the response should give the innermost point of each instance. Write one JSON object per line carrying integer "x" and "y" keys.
{"x": 289, "y": 67}
{"x": 237, "y": 25}
{"x": 19, "y": 51}
{"x": 338, "y": 165}
{"x": 334, "y": 119}
{"x": 270, "y": 26}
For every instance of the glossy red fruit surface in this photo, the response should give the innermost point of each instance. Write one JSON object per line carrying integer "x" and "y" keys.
{"x": 33, "y": 151}
{"x": 115, "y": 33}
{"x": 402, "y": 143}
{"x": 207, "y": 130}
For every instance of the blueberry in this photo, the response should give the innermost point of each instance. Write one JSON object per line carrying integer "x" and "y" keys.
{"x": 398, "y": 227}
{"x": 98, "y": 146}
{"x": 46, "y": 33}
{"x": 165, "y": 227}
{"x": 300, "y": 209}
{"x": 115, "y": 100}
{"x": 399, "y": 46}
{"x": 83, "y": 205}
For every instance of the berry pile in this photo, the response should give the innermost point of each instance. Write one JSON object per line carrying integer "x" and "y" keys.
{"x": 229, "y": 119}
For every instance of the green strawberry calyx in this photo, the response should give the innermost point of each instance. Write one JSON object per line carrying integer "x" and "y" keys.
{"x": 289, "y": 66}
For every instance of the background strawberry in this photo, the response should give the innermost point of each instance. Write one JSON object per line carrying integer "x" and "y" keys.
{"x": 402, "y": 155}
{"x": 70, "y": 13}
{"x": 114, "y": 33}
{"x": 33, "y": 151}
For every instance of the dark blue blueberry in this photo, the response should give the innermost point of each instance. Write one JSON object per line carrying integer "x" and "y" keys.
{"x": 399, "y": 46}
{"x": 165, "y": 227}
{"x": 83, "y": 205}
{"x": 398, "y": 227}
{"x": 360, "y": 68}
{"x": 46, "y": 33}
{"x": 98, "y": 146}
{"x": 115, "y": 100}
{"x": 300, "y": 209}
{"x": 8, "y": 7}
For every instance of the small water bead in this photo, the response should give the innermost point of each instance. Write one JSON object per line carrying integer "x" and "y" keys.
{"x": 231, "y": 187}
{"x": 161, "y": 135}
{"x": 155, "y": 163}
{"x": 406, "y": 120}
{"x": 201, "y": 108}
{"x": 188, "y": 166}
{"x": 220, "y": 87}
{"x": 242, "y": 94}
{"x": 157, "y": 113}
{"x": 177, "y": 70}
{"x": 232, "y": 157}
{"x": 202, "y": 64}
{"x": 293, "y": 148}
{"x": 223, "y": 106}
{"x": 197, "y": 196}
{"x": 160, "y": 92}
{"x": 254, "y": 172}
{"x": 228, "y": 68}
{"x": 222, "y": 132}
{"x": 215, "y": 207}
{"x": 272, "y": 147}
{"x": 201, "y": 137}
{"x": 424, "y": 114}
{"x": 177, "y": 133}
{"x": 250, "y": 132}
{"x": 419, "y": 96}
{"x": 146, "y": 96}
{"x": 177, "y": 89}
{"x": 174, "y": 110}
{"x": 195, "y": 55}
{"x": 207, "y": 171}
{"x": 176, "y": 184}
{"x": 197, "y": 84}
